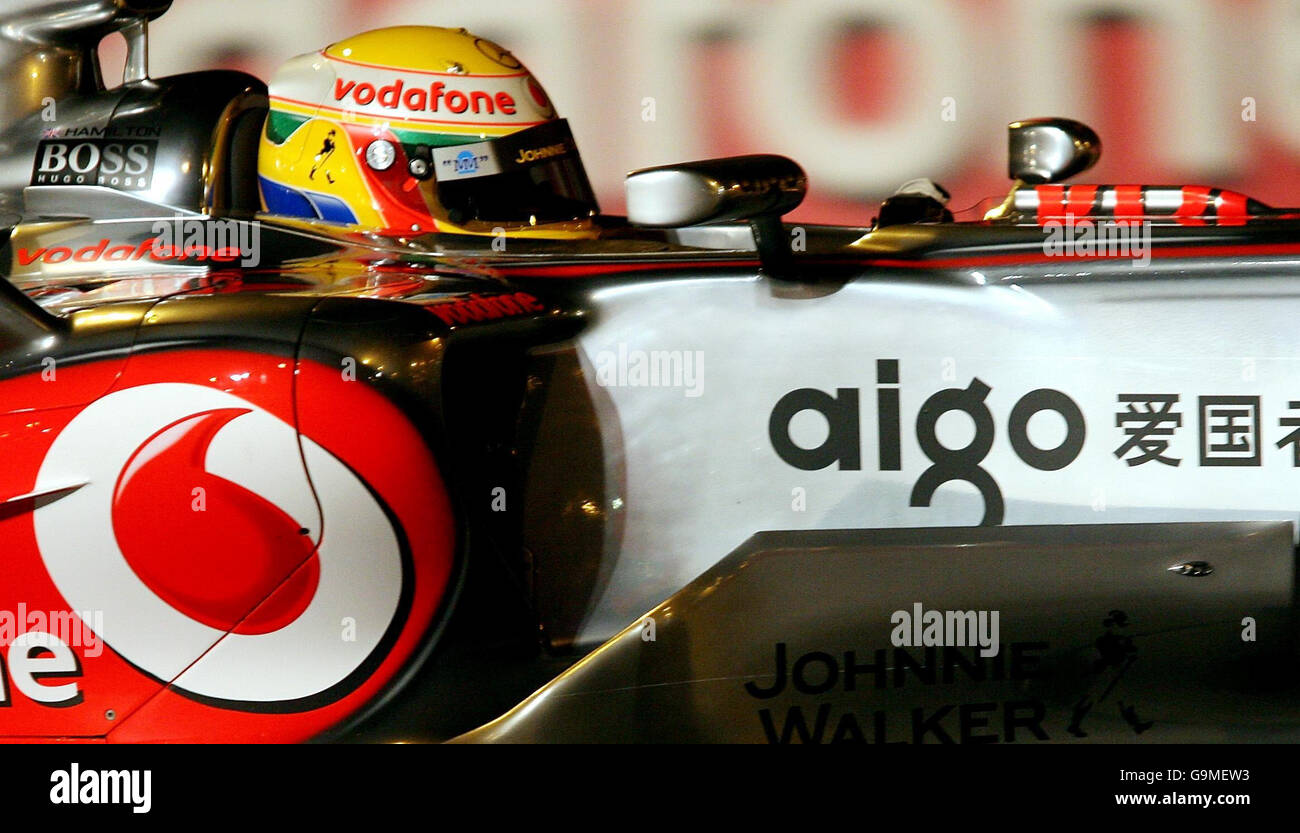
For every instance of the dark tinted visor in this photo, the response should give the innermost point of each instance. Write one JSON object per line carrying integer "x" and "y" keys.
{"x": 533, "y": 176}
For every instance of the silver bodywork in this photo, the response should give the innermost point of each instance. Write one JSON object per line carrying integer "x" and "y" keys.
{"x": 768, "y": 441}
{"x": 697, "y": 475}
{"x": 55, "y": 95}
{"x": 792, "y": 638}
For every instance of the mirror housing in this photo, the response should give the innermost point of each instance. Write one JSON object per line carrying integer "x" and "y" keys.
{"x": 757, "y": 189}
{"x": 1042, "y": 151}
{"x": 714, "y": 191}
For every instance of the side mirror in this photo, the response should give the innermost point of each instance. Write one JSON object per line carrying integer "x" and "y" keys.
{"x": 757, "y": 189}
{"x": 1050, "y": 150}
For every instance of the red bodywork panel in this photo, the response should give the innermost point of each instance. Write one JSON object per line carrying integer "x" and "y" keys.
{"x": 235, "y": 582}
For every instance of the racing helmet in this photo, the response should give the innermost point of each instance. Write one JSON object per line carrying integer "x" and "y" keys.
{"x": 417, "y": 129}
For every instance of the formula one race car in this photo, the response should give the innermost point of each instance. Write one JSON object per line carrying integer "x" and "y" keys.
{"x": 337, "y": 410}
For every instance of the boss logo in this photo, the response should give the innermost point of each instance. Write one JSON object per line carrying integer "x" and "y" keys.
{"x": 123, "y": 164}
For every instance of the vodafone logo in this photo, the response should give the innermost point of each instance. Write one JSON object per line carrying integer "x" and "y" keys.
{"x": 486, "y": 307}
{"x": 106, "y": 250}
{"x": 421, "y": 99}
{"x": 196, "y": 506}
{"x": 508, "y": 99}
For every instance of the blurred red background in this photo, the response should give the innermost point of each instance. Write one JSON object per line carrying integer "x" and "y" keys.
{"x": 864, "y": 93}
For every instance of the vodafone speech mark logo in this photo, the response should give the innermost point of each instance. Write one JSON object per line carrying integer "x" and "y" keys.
{"x": 186, "y": 588}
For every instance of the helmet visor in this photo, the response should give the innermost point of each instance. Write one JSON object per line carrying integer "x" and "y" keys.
{"x": 529, "y": 177}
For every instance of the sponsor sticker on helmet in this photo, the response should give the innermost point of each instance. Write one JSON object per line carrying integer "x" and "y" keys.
{"x": 451, "y": 99}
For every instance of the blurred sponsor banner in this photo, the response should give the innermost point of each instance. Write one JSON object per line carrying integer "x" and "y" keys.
{"x": 865, "y": 94}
